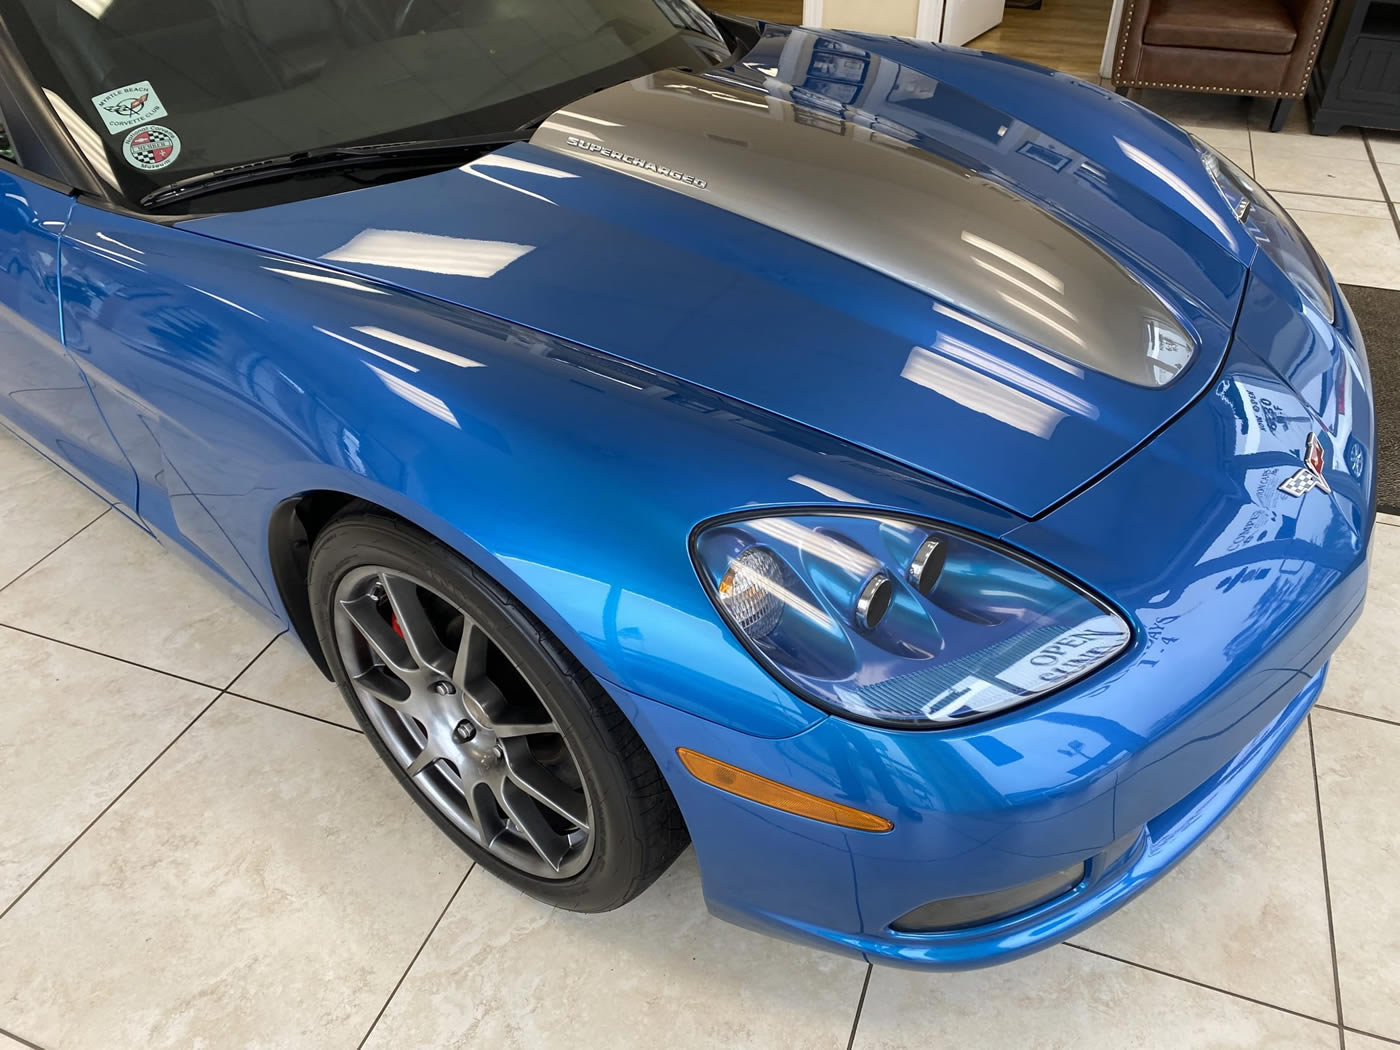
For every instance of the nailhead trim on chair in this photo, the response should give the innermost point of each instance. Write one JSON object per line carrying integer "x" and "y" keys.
{"x": 1127, "y": 22}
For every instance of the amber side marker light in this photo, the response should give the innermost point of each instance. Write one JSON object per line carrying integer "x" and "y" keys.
{"x": 770, "y": 793}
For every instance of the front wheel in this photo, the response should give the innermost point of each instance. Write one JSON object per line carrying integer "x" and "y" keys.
{"x": 500, "y": 735}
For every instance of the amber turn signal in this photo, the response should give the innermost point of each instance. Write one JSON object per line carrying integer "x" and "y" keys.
{"x": 770, "y": 793}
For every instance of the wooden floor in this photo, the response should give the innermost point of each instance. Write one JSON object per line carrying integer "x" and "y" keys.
{"x": 1064, "y": 34}
{"x": 788, "y": 12}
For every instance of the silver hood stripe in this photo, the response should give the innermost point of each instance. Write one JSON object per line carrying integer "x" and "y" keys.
{"x": 887, "y": 204}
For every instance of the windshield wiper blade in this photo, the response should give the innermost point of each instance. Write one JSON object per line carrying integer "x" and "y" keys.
{"x": 329, "y": 158}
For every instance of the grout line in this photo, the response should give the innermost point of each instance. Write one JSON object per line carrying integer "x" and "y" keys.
{"x": 132, "y": 663}
{"x": 1203, "y": 984}
{"x": 20, "y": 1039}
{"x": 1373, "y": 1035}
{"x": 1330, "y": 196}
{"x": 1358, "y": 714}
{"x": 860, "y": 1005}
{"x": 404, "y": 976}
{"x": 122, "y": 794}
{"x": 294, "y": 711}
{"x": 60, "y": 547}
{"x": 1371, "y": 155}
{"x": 1326, "y": 883}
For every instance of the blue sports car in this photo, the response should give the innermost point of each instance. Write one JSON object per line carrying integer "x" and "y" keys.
{"x": 930, "y": 484}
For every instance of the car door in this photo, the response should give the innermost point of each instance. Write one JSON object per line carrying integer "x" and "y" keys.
{"x": 43, "y": 393}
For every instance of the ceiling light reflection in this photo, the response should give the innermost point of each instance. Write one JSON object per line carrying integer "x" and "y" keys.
{"x": 367, "y": 349}
{"x": 1177, "y": 183}
{"x": 585, "y": 117}
{"x": 980, "y": 393}
{"x": 418, "y": 346}
{"x": 1020, "y": 344}
{"x": 416, "y": 396}
{"x": 325, "y": 278}
{"x": 87, "y": 140}
{"x": 1040, "y": 273}
{"x": 830, "y": 491}
{"x": 1048, "y": 322}
{"x": 1018, "y": 377}
{"x": 810, "y": 541}
{"x": 429, "y": 252}
{"x": 1027, "y": 288}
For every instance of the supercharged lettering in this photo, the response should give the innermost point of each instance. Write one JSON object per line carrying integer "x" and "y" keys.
{"x": 636, "y": 162}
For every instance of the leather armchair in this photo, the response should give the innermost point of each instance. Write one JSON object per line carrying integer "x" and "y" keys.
{"x": 1234, "y": 47}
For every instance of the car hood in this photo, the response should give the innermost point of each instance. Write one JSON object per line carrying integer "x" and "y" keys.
{"x": 1004, "y": 277}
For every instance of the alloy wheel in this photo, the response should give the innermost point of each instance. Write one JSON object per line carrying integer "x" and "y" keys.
{"x": 463, "y": 723}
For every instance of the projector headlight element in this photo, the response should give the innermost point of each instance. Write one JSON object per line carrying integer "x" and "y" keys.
{"x": 1272, "y": 228}
{"x": 901, "y": 622}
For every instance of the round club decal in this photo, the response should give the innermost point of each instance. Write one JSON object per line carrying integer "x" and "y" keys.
{"x": 151, "y": 148}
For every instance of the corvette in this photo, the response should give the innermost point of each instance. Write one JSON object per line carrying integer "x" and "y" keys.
{"x": 931, "y": 484}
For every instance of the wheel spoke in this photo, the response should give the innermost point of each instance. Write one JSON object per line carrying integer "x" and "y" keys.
{"x": 419, "y": 635}
{"x": 470, "y": 662}
{"x": 388, "y": 646}
{"x": 527, "y": 819}
{"x": 487, "y": 823}
{"x": 508, "y": 730}
{"x": 425, "y": 758}
{"x": 543, "y": 786}
{"x": 381, "y": 685}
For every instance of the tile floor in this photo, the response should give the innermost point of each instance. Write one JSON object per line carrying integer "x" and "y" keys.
{"x": 204, "y": 853}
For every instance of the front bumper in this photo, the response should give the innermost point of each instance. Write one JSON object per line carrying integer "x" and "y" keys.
{"x": 1238, "y": 592}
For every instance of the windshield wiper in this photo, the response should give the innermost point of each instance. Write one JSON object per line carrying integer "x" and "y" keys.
{"x": 329, "y": 158}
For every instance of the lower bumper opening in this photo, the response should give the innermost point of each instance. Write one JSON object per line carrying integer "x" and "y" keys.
{"x": 956, "y": 913}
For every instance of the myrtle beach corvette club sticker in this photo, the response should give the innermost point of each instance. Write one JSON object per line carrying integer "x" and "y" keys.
{"x": 151, "y": 148}
{"x": 125, "y": 107}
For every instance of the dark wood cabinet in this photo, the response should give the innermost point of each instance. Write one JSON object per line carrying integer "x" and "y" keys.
{"x": 1357, "y": 76}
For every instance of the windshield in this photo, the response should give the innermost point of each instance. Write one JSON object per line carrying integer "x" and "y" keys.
{"x": 154, "y": 91}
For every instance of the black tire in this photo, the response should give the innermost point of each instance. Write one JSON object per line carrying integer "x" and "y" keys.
{"x": 636, "y": 828}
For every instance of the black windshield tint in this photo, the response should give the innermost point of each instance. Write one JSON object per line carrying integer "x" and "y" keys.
{"x": 159, "y": 90}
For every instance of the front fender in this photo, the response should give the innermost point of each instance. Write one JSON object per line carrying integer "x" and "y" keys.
{"x": 572, "y": 478}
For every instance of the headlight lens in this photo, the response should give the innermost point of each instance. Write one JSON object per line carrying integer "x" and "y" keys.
{"x": 901, "y": 622}
{"x": 1272, "y": 228}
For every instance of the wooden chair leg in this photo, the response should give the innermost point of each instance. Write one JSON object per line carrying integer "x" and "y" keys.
{"x": 1282, "y": 108}
{"x": 1121, "y": 89}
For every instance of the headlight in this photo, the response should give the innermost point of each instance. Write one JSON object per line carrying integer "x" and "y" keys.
{"x": 1272, "y": 228}
{"x": 901, "y": 622}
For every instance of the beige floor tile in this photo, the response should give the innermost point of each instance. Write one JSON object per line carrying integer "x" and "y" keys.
{"x": 1385, "y": 145}
{"x": 1300, "y": 173}
{"x": 1197, "y": 109}
{"x": 1388, "y": 519}
{"x": 1226, "y": 919}
{"x": 1390, "y": 175}
{"x": 1362, "y": 675}
{"x": 1358, "y": 1041}
{"x": 1332, "y": 205}
{"x": 1297, "y": 140}
{"x": 75, "y": 729}
{"x": 1358, "y": 768}
{"x": 1227, "y": 139}
{"x": 116, "y": 590}
{"x": 1066, "y": 998}
{"x": 1359, "y": 250}
{"x": 1241, "y": 158}
{"x": 264, "y": 885}
{"x": 505, "y": 971}
{"x": 285, "y": 675}
{"x": 6, "y": 1043}
{"x": 40, "y": 506}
